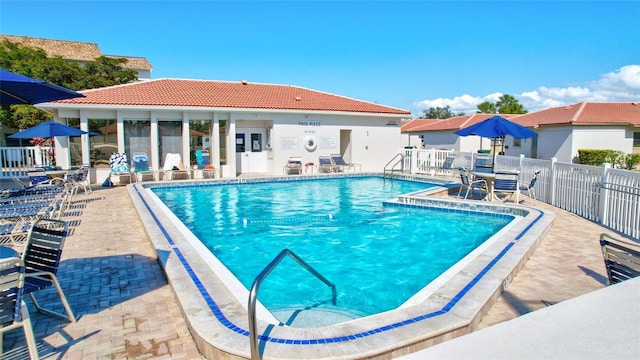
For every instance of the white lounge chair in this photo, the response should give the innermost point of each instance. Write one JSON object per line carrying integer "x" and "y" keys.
{"x": 174, "y": 168}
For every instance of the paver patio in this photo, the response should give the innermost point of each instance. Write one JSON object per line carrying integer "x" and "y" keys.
{"x": 126, "y": 310}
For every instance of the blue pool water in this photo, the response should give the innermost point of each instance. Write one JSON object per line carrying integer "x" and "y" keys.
{"x": 377, "y": 256}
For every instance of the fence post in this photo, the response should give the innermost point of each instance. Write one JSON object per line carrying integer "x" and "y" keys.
{"x": 520, "y": 165}
{"x": 552, "y": 182}
{"x": 604, "y": 194}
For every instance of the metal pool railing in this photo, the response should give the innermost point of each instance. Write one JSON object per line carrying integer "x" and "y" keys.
{"x": 253, "y": 294}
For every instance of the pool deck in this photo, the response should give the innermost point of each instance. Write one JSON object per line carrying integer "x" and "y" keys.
{"x": 126, "y": 309}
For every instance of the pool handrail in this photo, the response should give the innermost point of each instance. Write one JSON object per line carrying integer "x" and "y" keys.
{"x": 253, "y": 294}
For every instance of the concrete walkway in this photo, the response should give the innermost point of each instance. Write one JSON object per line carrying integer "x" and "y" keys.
{"x": 125, "y": 308}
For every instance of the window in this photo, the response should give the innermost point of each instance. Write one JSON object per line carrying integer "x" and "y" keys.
{"x": 104, "y": 142}
{"x": 170, "y": 138}
{"x": 223, "y": 142}
{"x": 75, "y": 143}
{"x": 636, "y": 139}
{"x": 256, "y": 142}
{"x": 199, "y": 138}
{"x": 137, "y": 137}
{"x": 517, "y": 142}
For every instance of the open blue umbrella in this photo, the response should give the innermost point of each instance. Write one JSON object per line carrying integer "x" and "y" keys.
{"x": 47, "y": 129}
{"x": 19, "y": 89}
{"x": 497, "y": 127}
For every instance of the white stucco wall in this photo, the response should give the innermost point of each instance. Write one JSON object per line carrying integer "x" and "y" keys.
{"x": 563, "y": 142}
{"x": 602, "y": 137}
{"x": 555, "y": 142}
{"x": 373, "y": 140}
{"x": 367, "y": 139}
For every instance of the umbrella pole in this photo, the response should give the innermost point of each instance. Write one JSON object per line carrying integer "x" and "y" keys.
{"x": 493, "y": 163}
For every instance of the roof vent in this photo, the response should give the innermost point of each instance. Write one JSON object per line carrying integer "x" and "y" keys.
{"x": 298, "y": 98}
{"x": 243, "y": 82}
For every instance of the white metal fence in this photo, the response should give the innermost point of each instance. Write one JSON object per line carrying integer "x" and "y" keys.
{"x": 604, "y": 195}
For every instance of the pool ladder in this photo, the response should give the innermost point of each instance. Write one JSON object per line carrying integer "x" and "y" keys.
{"x": 392, "y": 166}
{"x": 253, "y": 294}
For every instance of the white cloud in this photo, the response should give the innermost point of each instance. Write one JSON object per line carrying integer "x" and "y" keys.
{"x": 620, "y": 85}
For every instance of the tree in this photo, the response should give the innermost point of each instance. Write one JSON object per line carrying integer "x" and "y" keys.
{"x": 439, "y": 113}
{"x": 35, "y": 63}
{"x": 486, "y": 108}
{"x": 506, "y": 104}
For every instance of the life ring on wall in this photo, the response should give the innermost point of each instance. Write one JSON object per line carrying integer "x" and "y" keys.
{"x": 310, "y": 143}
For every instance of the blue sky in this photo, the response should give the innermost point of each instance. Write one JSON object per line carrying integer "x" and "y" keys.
{"x": 407, "y": 54}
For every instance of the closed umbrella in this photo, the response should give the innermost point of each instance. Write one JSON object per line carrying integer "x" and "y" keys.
{"x": 497, "y": 127}
{"x": 19, "y": 89}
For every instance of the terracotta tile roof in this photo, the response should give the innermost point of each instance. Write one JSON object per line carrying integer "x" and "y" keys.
{"x": 586, "y": 113}
{"x": 450, "y": 124}
{"x": 73, "y": 50}
{"x": 225, "y": 94}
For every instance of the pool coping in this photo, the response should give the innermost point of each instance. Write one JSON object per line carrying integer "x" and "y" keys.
{"x": 219, "y": 323}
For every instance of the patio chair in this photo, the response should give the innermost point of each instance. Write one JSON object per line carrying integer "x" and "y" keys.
{"x": 505, "y": 183}
{"x": 339, "y": 162}
{"x": 75, "y": 180}
{"x": 13, "y": 310}
{"x": 174, "y": 168}
{"x": 446, "y": 169}
{"x": 38, "y": 177}
{"x": 41, "y": 258}
{"x": 141, "y": 169}
{"x": 529, "y": 188}
{"x": 203, "y": 159}
{"x": 325, "y": 165}
{"x": 119, "y": 167}
{"x": 471, "y": 185}
{"x": 483, "y": 162}
{"x": 293, "y": 166}
{"x": 621, "y": 258}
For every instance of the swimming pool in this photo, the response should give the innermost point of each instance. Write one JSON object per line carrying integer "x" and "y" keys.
{"x": 451, "y": 307}
{"x": 377, "y": 256}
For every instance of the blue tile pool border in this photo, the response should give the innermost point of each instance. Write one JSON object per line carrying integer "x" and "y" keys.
{"x": 411, "y": 202}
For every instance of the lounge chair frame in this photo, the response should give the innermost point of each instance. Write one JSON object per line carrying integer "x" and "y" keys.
{"x": 41, "y": 260}
{"x": 13, "y": 310}
{"x": 621, "y": 258}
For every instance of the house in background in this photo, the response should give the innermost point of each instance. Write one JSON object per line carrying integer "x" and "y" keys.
{"x": 562, "y": 131}
{"x": 79, "y": 52}
{"x": 248, "y": 128}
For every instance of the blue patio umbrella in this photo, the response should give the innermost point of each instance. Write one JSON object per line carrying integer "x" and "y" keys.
{"x": 47, "y": 129}
{"x": 497, "y": 127}
{"x": 19, "y": 89}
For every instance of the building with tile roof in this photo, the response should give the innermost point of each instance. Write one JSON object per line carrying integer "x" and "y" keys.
{"x": 80, "y": 52}
{"x": 248, "y": 128}
{"x": 562, "y": 131}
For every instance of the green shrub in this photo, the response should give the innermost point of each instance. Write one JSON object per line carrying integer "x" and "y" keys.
{"x": 598, "y": 157}
{"x": 631, "y": 161}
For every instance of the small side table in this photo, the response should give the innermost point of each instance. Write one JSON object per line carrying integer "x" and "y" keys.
{"x": 308, "y": 166}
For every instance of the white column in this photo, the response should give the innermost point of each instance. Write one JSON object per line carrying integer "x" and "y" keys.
{"x": 215, "y": 141}
{"x": 84, "y": 143}
{"x": 155, "y": 147}
{"x": 120, "y": 131}
{"x": 186, "y": 148}
{"x": 231, "y": 145}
